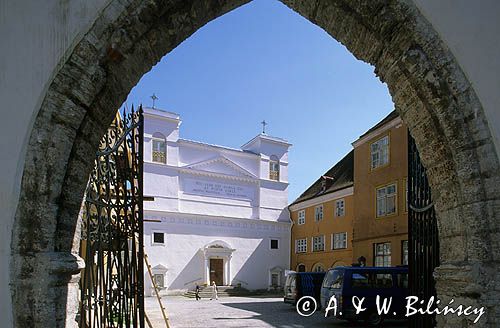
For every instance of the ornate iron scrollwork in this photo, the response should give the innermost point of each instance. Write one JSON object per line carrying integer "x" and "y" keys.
{"x": 112, "y": 284}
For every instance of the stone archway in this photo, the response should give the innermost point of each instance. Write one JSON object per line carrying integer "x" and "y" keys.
{"x": 430, "y": 91}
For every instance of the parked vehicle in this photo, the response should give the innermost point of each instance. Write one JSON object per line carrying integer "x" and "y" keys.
{"x": 367, "y": 283}
{"x": 300, "y": 284}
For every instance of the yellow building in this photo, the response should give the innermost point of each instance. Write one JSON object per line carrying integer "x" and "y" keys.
{"x": 322, "y": 220}
{"x": 380, "y": 226}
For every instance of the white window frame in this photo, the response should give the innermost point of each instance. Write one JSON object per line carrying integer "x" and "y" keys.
{"x": 380, "y": 152}
{"x": 339, "y": 213}
{"x": 162, "y": 278}
{"x": 318, "y": 213}
{"x": 386, "y": 256}
{"x": 382, "y": 198}
{"x": 153, "y": 243}
{"x": 301, "y": 245}
{"x": 161, "y": 140}
{"x": 274, "y": 168}
{"x": 301, "y": 217}
{"x": 318, "y": 241}
{"x": 339, "y": 242}
{"x": 403, "y": 251}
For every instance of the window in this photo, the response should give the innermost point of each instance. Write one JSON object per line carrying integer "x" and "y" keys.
{"x": 333, "y": 279}
{"x": 159, "y": 149}
{"x": 274, "y": 168}
{"x": 159, "y": 280}
{"x": 404, "y": 252}
{"x": 318, "y": 243}
{"x": 301, "y": 268}
{"x": 380, "y": 152}
{"x": 301, "y": 245}
{"x": 371, "y": 280}
{"x": 382, "y": 254}
{"x": 318, "y": 267}
{"x": 386, "y": 200}
{"x": 339, "y": 207}
{"x": 301, "y": 217}
{"x": 274, "y": 243}
{"x": 339, "y": 240}
{"x": 158, "y": 238}
{"x": 318, "y": 213}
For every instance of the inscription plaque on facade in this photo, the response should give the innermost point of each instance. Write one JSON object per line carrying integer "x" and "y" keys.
{"x": 217, "y": 189}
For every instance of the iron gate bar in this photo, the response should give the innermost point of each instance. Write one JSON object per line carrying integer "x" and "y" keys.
{"x": 423, "y": 243}
{"x": 112, "y": 283}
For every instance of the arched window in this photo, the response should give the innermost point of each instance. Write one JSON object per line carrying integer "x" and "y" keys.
{"x": 274, "y": 168}
{"x": 301, "y": 268}
{"x": 318, "y": 267}
{"x": 159, "y": 148}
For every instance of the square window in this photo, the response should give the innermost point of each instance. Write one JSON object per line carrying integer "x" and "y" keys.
{"x": 301, "y": 245}
{"x": 158, "y": 238}
{"x": 274, "y": 243}
{"x": 382, "y": 254}
{"x": 339, "y": 240}
{"x": 318, "y": 243}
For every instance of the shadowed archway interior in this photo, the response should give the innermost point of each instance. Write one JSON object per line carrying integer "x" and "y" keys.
{"x": 429, "y": 90}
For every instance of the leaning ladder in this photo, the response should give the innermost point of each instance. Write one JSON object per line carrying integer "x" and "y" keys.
{"x": 157, "y": 294}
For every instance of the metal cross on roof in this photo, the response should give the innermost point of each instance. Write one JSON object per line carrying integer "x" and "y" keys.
{"x": 264, "y": 123}
{"x": 154, "y": 97}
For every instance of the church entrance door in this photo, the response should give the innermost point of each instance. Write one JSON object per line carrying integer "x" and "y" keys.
{"x": 217, "y": 271}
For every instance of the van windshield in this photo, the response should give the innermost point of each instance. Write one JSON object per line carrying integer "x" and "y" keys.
{"x": 333, "y": 279}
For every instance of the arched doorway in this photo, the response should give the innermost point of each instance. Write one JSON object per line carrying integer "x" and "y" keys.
{"x": 318, "y": 267}
{"x": 301, "y": 268}
{"x": 431, "y": 93}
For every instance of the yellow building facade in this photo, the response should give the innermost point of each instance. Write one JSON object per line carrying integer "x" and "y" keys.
{"x": 322, "y": 218}
{"x": 358, "y": 209}
{"x": 380, "y": 225}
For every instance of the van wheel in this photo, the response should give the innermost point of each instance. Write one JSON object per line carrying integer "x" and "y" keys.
{"x": 373, "y": 319}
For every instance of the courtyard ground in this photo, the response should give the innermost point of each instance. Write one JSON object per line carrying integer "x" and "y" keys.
{"x": 238, "y": 312}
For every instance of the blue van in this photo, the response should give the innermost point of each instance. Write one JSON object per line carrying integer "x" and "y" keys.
{"x": 300, "y": 284}
{"x": 367, "y": 283}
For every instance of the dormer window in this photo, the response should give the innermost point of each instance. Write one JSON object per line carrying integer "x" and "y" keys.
{"x": 274, "y": 168}
{"x": 326, "y": 182}
{"x": 159, "y": 148}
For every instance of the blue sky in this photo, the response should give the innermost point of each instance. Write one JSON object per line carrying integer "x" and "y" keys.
{"x": 264, "y": 61}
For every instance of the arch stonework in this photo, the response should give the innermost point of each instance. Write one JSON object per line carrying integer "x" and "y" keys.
{"x": 430, "y": 91}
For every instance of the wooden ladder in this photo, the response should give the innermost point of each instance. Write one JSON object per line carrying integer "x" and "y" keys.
{"x": 157, "y": 295}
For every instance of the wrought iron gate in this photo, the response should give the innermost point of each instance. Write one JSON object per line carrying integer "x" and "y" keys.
{"x": 423, "y": 235}
{"x": 112, "y": 284}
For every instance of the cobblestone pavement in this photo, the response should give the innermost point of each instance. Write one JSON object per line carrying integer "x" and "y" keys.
{"x": 238, "y": 312}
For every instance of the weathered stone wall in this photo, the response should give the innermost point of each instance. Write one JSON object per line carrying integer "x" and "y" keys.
{"x": 79, "y": 96}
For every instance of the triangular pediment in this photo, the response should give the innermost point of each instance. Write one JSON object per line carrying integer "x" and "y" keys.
{"x": 221, "y": 165}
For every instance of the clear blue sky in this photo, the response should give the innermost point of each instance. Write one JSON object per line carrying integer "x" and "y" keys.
{"x": 264, "y": 61}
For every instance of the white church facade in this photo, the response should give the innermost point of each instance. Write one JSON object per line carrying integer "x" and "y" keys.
{"x": 215, "y": 213}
